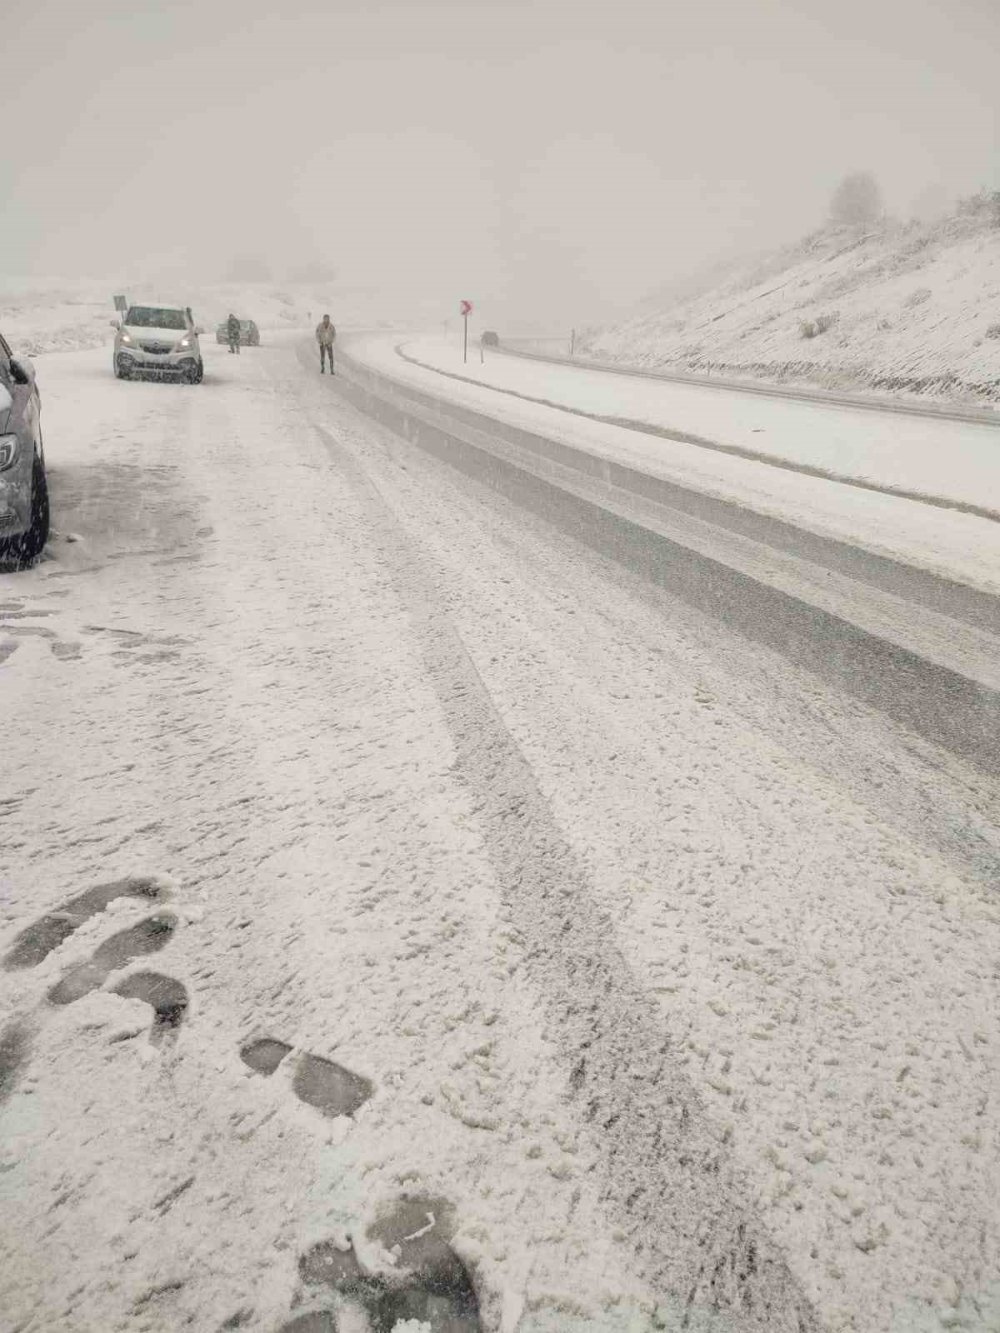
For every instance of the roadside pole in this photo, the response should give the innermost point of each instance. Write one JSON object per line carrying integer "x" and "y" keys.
{"x": 465, "y": 310}
{"x": 572, "y": 342}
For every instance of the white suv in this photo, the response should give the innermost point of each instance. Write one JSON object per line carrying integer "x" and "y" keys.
{"x": 158, "y": 340}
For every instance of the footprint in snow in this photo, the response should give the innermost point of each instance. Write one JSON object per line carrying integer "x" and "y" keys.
{"x": 14, "y": 1050}
{"x": 148, "y": 936}
{"x": 428, "y": 1285}
{"x": 313, "y": 1321}
{"x": 63, "y": 649}
{"x": 168, "y": 998}
{"x": 329, "y": 1087}
{"x": 36, "y": 942}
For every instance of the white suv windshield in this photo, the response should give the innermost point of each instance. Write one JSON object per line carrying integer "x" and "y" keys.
{"x": 154, "y": 317}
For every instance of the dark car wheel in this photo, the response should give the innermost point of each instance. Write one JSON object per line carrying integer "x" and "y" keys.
{"x": 26, "y": 548}
{"x": 196, "y": 374}
{"x": 122, "y": 370}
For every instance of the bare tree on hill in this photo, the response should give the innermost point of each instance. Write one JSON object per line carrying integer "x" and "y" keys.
{"x": 857, "y": 200}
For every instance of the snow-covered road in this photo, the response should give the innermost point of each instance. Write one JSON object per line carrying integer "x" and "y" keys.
{"x": 664, "y": 973}
{"x": 927, "y": 455}
{"x": 775, "y": 456}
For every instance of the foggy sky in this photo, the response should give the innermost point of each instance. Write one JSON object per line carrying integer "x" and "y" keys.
{"x": 535, "y": 156}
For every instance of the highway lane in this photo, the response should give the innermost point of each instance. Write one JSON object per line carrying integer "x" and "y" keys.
{"x": 921, "y": 648}
{"x": 580, "y": 609}
{"x": 665, "y": 954}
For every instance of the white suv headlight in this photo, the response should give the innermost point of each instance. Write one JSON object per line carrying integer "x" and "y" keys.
{"x": 8, "y": 451}
{"x": 125, "y": 339}
{"x": 185, "y": 344}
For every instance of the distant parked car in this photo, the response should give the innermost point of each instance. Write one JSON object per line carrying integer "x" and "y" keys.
{"x": 490, "y": 339}
{"x": 159, "y": 340}
{"x": 24, "y": 492}
{"x": 249, "y": 333}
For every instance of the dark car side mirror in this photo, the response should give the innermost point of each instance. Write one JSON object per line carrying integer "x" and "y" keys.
{"x": 22, "y": 373}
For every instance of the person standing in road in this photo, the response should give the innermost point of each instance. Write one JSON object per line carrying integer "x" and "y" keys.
{"x": 233, "y": 329}
{"x": 325, "y": 336}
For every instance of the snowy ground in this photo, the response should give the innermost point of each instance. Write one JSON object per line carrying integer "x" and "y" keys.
{"x": 413, "y": 773}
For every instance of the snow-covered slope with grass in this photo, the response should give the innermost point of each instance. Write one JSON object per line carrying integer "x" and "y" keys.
{"x": 903, "y": 309}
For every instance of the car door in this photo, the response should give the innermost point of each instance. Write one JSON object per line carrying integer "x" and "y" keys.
{"x": 25, "y": 414}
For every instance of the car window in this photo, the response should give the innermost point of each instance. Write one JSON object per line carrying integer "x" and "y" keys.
{"x": 6, "y": 378}
{"x": 155, "y": 317}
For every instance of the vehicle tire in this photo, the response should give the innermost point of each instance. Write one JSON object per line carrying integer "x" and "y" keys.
{"x": 26, "y": 548}
{"x": 121, "y": 371}
{"x": 196, "y": 375}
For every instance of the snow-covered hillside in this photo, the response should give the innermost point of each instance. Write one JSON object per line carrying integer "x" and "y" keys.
{"x": 904, "y": 309}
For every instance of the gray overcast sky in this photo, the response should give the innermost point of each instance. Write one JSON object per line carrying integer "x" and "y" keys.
{"x": 538, "y": 156}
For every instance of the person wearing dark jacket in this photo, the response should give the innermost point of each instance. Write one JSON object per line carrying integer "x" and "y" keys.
{"x": 325, "y": 336}
{"x": 233, "y": 329}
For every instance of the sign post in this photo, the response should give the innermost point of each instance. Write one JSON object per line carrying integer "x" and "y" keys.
{"x": 465, "y": 310}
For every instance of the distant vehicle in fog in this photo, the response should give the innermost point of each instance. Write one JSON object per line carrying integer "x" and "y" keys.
{"x": 159, "y": 340}
{"x": 249, "y": 333}
{"x": 490, "y": 339}
{"x": 24, "y": 492}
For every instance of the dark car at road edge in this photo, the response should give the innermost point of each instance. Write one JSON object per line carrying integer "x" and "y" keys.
{"x": 24, "y": 492}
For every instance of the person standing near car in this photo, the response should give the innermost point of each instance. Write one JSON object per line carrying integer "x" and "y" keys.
{"x": 233, "y": 329}
{"x": 325, "y": 336}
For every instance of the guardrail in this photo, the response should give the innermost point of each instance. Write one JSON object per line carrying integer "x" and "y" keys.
{"x": 979, "y": 415}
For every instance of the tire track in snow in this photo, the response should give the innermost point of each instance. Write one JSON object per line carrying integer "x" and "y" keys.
{"x": 669, "y": 1179}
